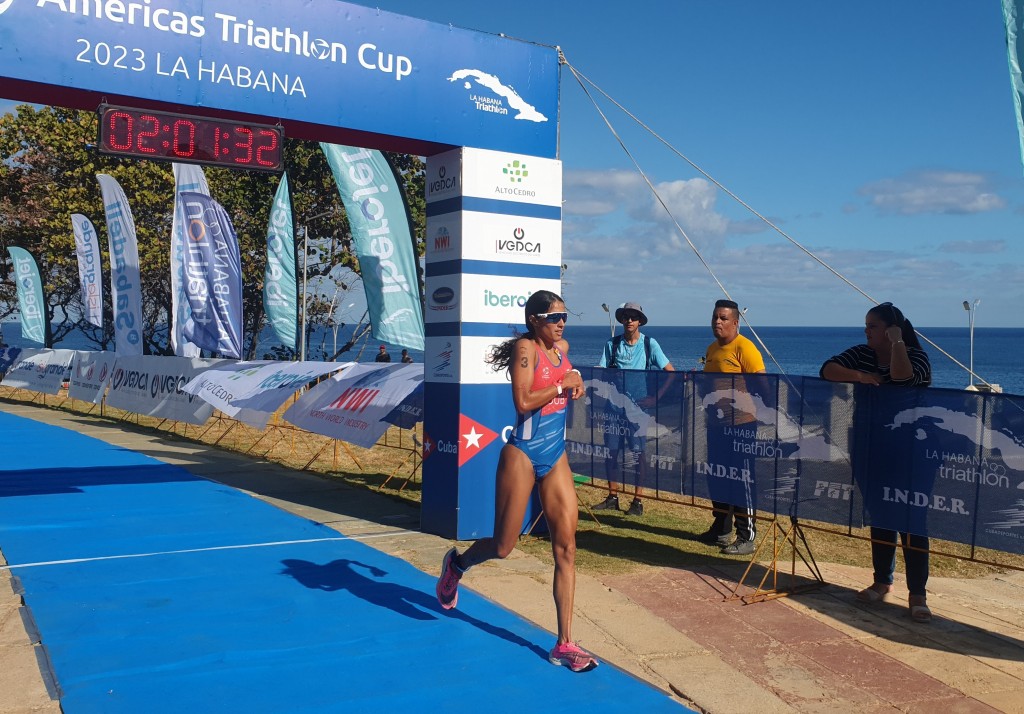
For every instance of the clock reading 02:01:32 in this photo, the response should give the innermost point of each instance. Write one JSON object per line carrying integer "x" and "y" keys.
{"x": 168, "y": 136}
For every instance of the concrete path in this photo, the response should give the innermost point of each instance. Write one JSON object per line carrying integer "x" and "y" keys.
{"x": 819, "y": 651}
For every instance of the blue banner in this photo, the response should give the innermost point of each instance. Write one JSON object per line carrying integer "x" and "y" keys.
{"x": 30, "y": 295}
{"x": 434, "y": 84}
{"x": 937, "y": 462}
{"x": 125, "y": 287}
{"x": 280, "y": 288}
{"x": 383, "y": 242}
{"x": 213, "y": 275}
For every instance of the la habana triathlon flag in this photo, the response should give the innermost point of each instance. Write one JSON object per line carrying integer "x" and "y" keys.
{"x": 30, "y": 295}
{"x": 213, "y": 275}
{"x": 187, "y": 177}
{"x": 383, "y": 242}
{"x": 125, "y": 290}
{"x": 280, "y": 289}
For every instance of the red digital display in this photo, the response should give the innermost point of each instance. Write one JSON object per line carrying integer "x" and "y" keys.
{"x": 167, "y": 136}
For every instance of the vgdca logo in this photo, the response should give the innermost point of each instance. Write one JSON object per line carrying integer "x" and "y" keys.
{"x": 517, "y": 244}
{"x": 443, "y": 182}
{"x": 4, "y": 4}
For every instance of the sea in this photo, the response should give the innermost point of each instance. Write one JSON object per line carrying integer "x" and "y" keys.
{"x": 790, "y": 350}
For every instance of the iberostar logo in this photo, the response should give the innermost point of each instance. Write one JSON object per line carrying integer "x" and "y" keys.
{"x": 4, "y": 4}
{"x": 515, "y": 171}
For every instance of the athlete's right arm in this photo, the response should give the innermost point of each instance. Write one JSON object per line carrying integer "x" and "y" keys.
{"x": 524, "y": 364}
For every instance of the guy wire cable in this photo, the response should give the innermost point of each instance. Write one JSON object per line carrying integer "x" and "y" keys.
{"x": 668, "y": 211}
{"x": 580, "y": 78}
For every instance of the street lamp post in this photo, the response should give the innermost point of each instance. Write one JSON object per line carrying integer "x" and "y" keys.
{"x": 971, "y": 309}
{"x": 611, "y": 327}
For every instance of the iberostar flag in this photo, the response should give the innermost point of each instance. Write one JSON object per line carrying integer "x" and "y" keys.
{"x": 90, "y": 270}
{"x": 30, "y": 295}
{"x": 187, "y": 177}
{"x": 280, "y": 290}
{"x": 213, "y": 275}
{"x": 125, "y": 290}
{"x": 383, "y": 242}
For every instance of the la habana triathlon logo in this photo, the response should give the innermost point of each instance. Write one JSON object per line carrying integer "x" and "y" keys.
{"x": 4, "y": 4}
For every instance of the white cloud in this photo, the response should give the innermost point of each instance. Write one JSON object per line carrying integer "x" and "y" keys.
{"x": 624, "y": 197}
{"x": 944, "y": 192}
{"x": 973, "y": 247}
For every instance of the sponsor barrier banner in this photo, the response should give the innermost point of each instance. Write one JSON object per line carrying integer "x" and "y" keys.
{"x": 90, "y": 373}
{"x": 356, "y": 405}
{"x": 943, "y": 463}
{"x": 30, "y": 295}
{"x": 125, "y": 290}
{"x": 152, "y": 385}
{"x": 39, "y": 370}
{"x": 90, "y": 268}
{"x": 252, "y": 391}
{"x": 187, "y": 177}
{"x": 280, "y": 287}
{"x": 382, "y": 239}
{"x": 213, "y": 271}
{"x": 7, "y": 357}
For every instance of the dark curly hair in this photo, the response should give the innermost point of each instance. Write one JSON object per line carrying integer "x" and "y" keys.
{"x": 501, "y": 356}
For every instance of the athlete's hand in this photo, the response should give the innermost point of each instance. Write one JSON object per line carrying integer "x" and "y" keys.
{"x": 572, "y": 382}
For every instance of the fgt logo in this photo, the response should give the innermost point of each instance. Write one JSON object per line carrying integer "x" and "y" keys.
{"x": 354, "y": 399}
{"x": 839, "y": 491}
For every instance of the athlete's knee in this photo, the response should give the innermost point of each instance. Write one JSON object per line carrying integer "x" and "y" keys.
{"x": 564, "y": 551}
{"x": 503, "y": 549}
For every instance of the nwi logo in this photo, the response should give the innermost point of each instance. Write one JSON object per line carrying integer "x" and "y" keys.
{"x": 354, "y": 399}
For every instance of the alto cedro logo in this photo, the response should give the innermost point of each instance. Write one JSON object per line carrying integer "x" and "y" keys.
{"x": 515, "y": 171}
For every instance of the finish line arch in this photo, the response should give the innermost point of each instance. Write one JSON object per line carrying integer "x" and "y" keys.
{"x": 482, "y": 108}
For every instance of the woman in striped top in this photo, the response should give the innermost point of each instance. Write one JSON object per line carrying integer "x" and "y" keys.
{"x": 892, "y": 355}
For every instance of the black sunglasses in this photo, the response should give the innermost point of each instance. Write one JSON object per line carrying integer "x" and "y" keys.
{"x": 553, "y": 317}
{"x": 630, "y": 317}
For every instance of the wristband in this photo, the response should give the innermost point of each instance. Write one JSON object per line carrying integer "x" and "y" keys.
{"x": 559, "y": 388}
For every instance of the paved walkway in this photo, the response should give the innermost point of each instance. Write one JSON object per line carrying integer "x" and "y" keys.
{"x": 820, "y": 651}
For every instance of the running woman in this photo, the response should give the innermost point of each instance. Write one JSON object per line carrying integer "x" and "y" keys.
{"x": 542, "y": 381}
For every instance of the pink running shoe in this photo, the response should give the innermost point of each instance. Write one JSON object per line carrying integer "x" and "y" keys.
{"x": 571, "y": 655}
{"x": 448, "y": 583}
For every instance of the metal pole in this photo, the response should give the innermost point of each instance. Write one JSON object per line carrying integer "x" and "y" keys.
{"x": 971, "y": 308}
{"x": 305, "y": 259}
{"x": 611, "y": 327}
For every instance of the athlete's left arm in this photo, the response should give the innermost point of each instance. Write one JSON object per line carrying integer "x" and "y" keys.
{"x": 572, "y": 382}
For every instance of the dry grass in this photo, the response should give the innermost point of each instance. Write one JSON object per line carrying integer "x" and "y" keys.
{"x": 664, "y": 536}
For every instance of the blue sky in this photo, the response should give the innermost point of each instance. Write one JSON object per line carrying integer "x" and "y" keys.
{"x": 880, "y": 135}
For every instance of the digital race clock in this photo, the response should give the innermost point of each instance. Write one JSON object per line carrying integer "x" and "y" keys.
{"x": 168, "y": 136}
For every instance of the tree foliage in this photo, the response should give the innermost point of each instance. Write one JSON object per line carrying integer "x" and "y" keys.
{"x": 48, "y": 167}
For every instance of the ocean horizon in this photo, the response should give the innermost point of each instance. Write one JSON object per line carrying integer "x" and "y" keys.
{"x": 790, "y": 350}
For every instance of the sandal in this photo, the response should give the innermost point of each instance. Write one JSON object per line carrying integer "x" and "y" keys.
{"x": 870, "y": 594}
{"x": 919, "y": 611}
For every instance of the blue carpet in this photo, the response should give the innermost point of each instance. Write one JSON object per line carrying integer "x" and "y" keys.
{"x": 162, "y": 592}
